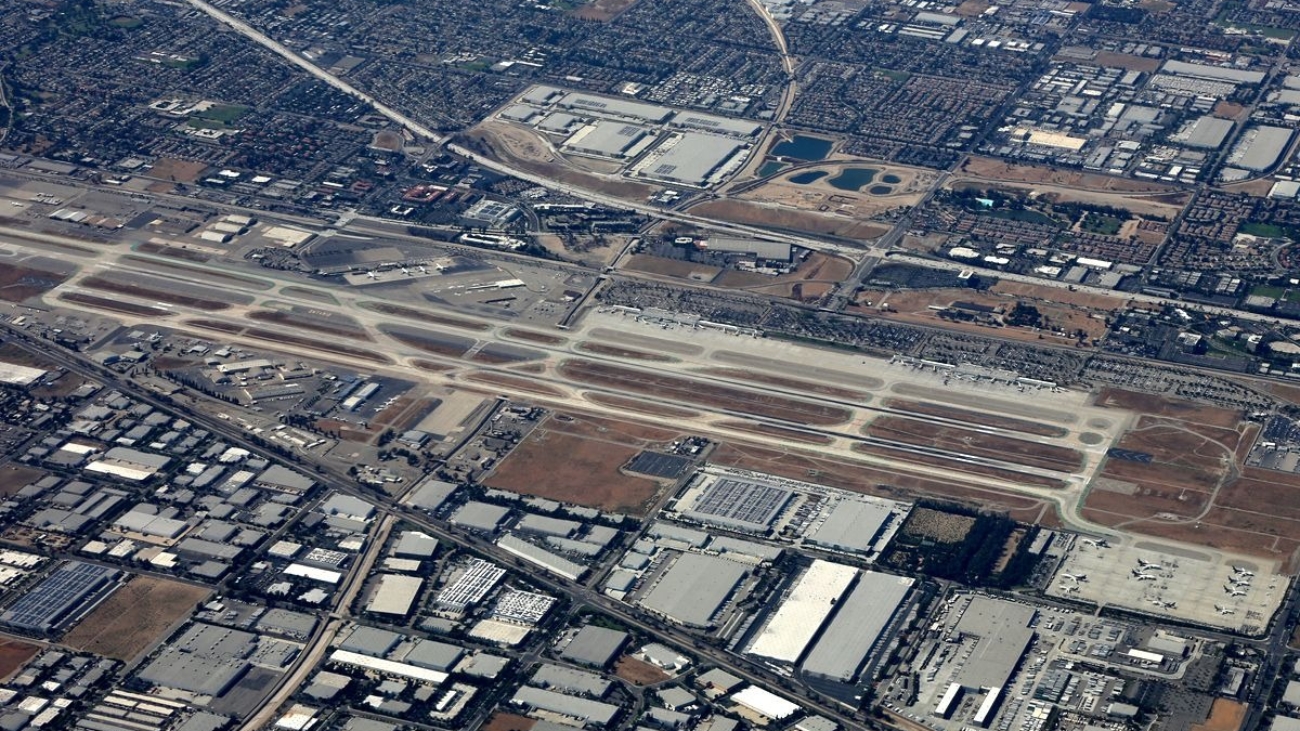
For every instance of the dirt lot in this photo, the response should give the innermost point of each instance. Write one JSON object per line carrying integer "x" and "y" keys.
{"x": 820, "y": 195}
{"x": 1225, "y": 715}
{"x": 993, "y": 169}
{"x": 1040, "y": 293}
{"x": 977, "y": 418}
{"x": 817, "y": 267}
{"x": 15, "y": 477}
{"x": 671, "y": 268}
{"x": 1173, "y": 408}
{"x": 576, "y": 469}
{"x": 965, "y": 441}
{"x": 19, "y": 283}
{"x": 14, "y": 654}
{"x": 603, "y": 10}
{"x": 501, "y": 721}
{"x": 134, "y": 617}
{"x": 176, "y": 170}
{"x": 915, "y": 306}
{"x": 705, "y": 394}
{"x": 789, "y": 219}
{"x": 639, "y": 672}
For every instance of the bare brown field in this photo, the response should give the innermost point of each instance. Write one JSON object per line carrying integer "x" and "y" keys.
{"x": 14, "y": 654}
{"x": 857, "y": 477}
{"x": 959, "y": 467}
{"x": 793, "y": 384}
{"x": 738, "y": 211}
{"x": 149, "y": 293}
{"x": 521, "y": 384}
{"x": 15, "y": 477}
{"x": 671, "y": 268}
{"x": 430, "y": 366}
{"x": 575, "y": 469}
{"x": 603, "y": 11}
{"x": 705, "y": 394}
{"x": 502, "y": 721}
{"x": 533, "y": 336}
{"x": 423, "y": 316}
{"x": 1257, "y": 490}
{"x": 994, "y": 169}
{"x": 20, "y": 283}
{"x": 965, "y": 441}
{"x": 1041, "y": 293}
{"x": 1168, "y": 407}
{"x": 277, "y": 317}
{"x": 644, "y": 407}
{"x": 617, "y": 352}
{"x": 118, "y": 306}
{"x": 771, "y": 430}
{"x": 818, "y": 268}
{"x": 975, "y": 418}
{"x": 622, "y": 431}
{"x": 129, "y": 622}
{"x": 916, "y": 306}
{"x": 177, "y": 170}
{"x": 1225, "y": 715}
{"x": 639, "y": 672}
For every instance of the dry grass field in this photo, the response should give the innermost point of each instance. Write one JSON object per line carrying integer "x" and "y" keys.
{"x": 130, "y": 621}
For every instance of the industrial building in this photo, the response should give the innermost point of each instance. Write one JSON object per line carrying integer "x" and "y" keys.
{"x": 612, "y": 140}
{"x": 694, "y": 589}
{"x": 471, "y": 585}
{"x": 1260, "y": 147}
{"x": 128, "y": 464}
{"x": 613, "y": 107}
{"x": 860, "y": 626}
{"x": 853, "y": 526}
{"x": 736, "y": 504}
{"x": 538, "y": 556}
{"x": 692, "y": 159}
{"x": 1003, "y": 633}
{"x": 394, "y": 594}
{"x": 594, "y": 646}
{"x": 793, "y": 625}
{"x": 208, "y": 660}
{"x": 766, "y": 250}
{"x": 70, "y": 592}
{"x": 720, "y": 125}
{"x": 587, "y": 712}
{"x": 17, "y": 375}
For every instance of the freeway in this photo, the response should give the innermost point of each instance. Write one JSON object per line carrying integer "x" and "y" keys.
{"x": 411, "y": 125}
{"x": 336, "y": 480}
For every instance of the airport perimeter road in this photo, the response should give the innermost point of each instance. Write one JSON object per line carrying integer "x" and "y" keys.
{"x": 389, "y": 506}
{"x": 253, "y": 34}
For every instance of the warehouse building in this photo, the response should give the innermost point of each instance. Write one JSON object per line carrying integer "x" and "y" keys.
{"x": 1004, "y": 632}
{"x": 538, "y": 556}
{"x": 594, "y": 646}
{"x": 472, "y": 584}
{"x": 70, "y": 592}
{"x": 860, "y": 627}
{"x": 394, "y": 594}
{"x": 719, "y": 125}
{"x": 612, "y": 140}
{"x": 852, "y": 525}
{"x": 587, "y": 712}
{"x": 693, "y": 159}
{"x": 694, "y": 589}
{"x": 766, "y": 250}
{"x": 128, "y": 464}
{"x": 736, "y": 504}
{"x": 612, "y": 107}
{"x": 791, "y": 628}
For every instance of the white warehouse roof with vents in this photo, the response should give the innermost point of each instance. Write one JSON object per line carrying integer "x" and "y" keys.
{"x": 794, "y": 624}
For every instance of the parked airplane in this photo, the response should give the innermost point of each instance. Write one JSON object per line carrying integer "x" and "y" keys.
{"x": 1242, "y": 572}
{"x": 372, "y": 275}
{"x": 1224, "y": 610}
{"x": 1149, "y": 565}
